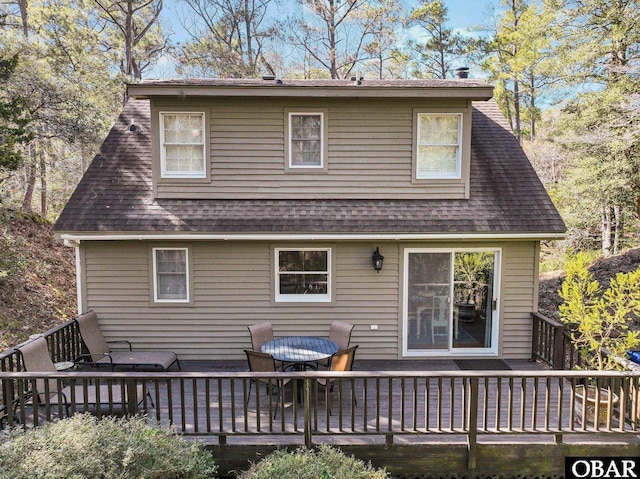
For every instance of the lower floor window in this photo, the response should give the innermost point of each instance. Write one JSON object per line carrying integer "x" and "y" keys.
{"x": 171, "y": 275}
{"x": 303, "y": 275}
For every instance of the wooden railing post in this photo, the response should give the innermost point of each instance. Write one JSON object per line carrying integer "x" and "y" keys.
{"x": 558, "y": 347}
{"x": 472, "y": 434}
{"x": 132, "y": 396}
{"x": 306, "y": 394}
{"x": 535, "y": 339}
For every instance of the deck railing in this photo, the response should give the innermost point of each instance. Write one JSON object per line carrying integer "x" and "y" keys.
{"x": 388, "y": 404}
{"x": 552, "y": 345}
{"x": 64, "y": 343}
{"x": 224, "y": 405}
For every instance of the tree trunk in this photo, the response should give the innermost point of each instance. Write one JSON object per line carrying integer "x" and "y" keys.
{"x": 443, "y": 63}
{"x": 532, "y": 106}
{"x": 247, "y": 24}
{"x": 43, "y": 185}
{"x": 509, "y": 115}
{"x": 23, "y": 5}
{"x": 605, "y": 229}
{"x": 617, "y": 228}
{"x": 516, "y": 109}
{"x": 332, "y": 40}
{"x": 31, "y": 178}
{"x": 128, "y": 40}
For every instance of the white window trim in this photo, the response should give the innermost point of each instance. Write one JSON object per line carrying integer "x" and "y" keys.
{"x": 446, "y": 176}
{"x": 155, "y": 276}
{"x": 163, "y": 151}
{"x": 452, "y": 352}
{"x": 322, "y": 139}
{"x": 302, "y": 298}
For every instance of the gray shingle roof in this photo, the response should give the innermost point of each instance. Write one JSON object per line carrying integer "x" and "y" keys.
{"x": 506, "y": 196}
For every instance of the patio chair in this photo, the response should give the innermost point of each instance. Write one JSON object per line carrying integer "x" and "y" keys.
{"x": 36, "y": 358}
{"x": 340, "y": 333}
{"x": 264, "y": 363}
{"x": 260, "y": 333}
{"x": 100, "y": 353}
{"x": 439, "y": 320}
{"x": 341, "y": 361}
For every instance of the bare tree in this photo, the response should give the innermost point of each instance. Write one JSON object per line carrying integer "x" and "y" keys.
{"x": 336, "y": 36}
{"x": 228, "y": 37}
{"x": 139, "y": 31}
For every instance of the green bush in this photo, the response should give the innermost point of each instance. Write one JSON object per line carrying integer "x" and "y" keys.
{"x": 109, "y": 448}
{"x": 600, "y": 322}
{"x": 325, "y": 463}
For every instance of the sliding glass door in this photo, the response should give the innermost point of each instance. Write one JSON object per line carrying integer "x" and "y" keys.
{"x": 450, "y": 305}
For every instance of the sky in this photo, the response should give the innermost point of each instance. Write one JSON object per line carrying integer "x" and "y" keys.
{"x": 463, "y": 14}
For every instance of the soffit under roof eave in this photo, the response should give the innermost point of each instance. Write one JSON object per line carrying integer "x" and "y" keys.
{"x": 474, "y": 93}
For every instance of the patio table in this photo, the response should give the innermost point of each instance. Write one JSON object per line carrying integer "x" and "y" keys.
{"x": 300, "y": 351}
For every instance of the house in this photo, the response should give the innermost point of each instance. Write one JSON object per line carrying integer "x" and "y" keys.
{"x": 215, "y": 204}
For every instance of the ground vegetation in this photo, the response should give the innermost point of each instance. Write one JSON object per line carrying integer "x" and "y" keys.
{"x": 86, "y": 447}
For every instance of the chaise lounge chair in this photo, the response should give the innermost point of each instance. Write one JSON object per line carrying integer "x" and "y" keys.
{"x": 101, "y": 355}
{"x": 106, "y": 397}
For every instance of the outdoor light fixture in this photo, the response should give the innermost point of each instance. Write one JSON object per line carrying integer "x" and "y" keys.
{"x": 377, "y": 260}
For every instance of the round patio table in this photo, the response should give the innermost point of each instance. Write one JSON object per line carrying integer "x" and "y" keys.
{"x": 301, "y": 351}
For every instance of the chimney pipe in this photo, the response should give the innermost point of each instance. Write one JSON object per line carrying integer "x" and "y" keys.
{"x": 462, "y": 72}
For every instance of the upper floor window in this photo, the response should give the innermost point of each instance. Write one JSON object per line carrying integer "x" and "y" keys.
{"x": 171, "y": 275}
{"x": 303, "y": 275}
{"x": 182, "y": 145}
{"x": 306, "y": 140}
{"x": 439, "y": 145}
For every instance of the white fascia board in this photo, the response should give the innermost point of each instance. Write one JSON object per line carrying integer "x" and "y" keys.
{"x": 70, "y": 238}
{"x": 475, "y": 93}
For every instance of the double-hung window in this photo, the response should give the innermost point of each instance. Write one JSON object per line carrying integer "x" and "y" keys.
{"x": 439, "y": 145}
{"x": 171, "y": 275}
{"x": 182, "y": 145}
{"x": 303, "y": 275}
{"x": 306, "y": 143}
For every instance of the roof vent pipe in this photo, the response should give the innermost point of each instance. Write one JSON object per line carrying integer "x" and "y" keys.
{"x": 462, "y": 72}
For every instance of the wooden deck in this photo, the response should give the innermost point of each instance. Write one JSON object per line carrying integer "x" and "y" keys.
{"x": 417, "y": 418}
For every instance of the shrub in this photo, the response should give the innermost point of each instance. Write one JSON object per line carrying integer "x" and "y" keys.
{"x": 599, "y": 321}
{"x": 324, "y": 463}
{"x": 88, "y": 448}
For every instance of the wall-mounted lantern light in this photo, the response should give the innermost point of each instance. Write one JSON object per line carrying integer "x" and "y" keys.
{"x": 378, "y": 259}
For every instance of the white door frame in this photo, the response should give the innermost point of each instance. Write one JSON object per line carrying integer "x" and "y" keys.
{"x": 450, "y": 351}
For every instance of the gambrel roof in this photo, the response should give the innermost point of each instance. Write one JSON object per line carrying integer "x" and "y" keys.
{"x": 506, "y": 197}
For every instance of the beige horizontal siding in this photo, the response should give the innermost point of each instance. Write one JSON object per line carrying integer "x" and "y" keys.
{"x": 369, "y": 148}
{"x": 518, "y": 283}
{"x": 232, "y": 287}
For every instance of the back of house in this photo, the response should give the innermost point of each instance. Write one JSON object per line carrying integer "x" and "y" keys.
{"x": 216, "y": 204}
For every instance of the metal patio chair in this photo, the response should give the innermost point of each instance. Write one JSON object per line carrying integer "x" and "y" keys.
{"x": 100, "y": 354}
{"x": 264, "y": 363}
{"x": 53, "y": 392}
{"x": 340, "y": 333}
{"x": 341, "y": 361}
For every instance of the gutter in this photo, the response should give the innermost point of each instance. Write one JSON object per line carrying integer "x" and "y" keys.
{"x": 74, "y": 239}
